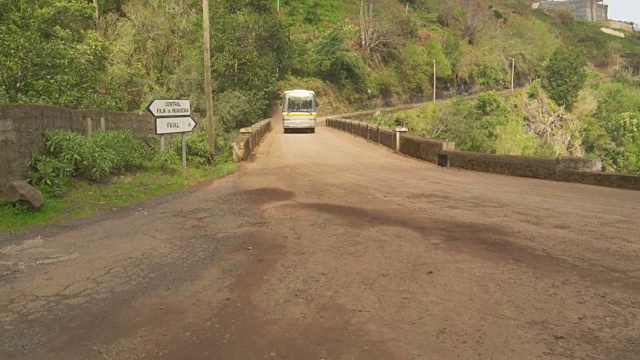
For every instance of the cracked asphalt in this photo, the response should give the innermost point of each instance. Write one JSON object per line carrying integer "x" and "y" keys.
{"x": 324, "y": 246}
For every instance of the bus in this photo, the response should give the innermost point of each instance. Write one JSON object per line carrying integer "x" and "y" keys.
{"x": 299, "y": 110}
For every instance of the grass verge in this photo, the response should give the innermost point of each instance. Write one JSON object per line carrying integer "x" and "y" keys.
{"x": 85, "y": 199}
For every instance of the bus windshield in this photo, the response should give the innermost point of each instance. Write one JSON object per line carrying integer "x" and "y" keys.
{"x": 300, "y": 103}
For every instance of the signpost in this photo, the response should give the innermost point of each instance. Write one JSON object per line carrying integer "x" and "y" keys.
{"x": 170, "y": 108}
{"x": 173, "y": 125}
{"x": 173, "y": 117}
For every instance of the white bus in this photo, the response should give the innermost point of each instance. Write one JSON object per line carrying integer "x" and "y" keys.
{"x": 299, "y": 110}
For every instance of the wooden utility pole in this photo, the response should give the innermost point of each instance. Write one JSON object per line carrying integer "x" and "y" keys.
{"x": 207, "y": 76}
{"x": 95, "y": 4}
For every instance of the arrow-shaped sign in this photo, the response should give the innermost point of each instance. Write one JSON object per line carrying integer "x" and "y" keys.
{"x": 172, "y": 125}
{"x": 161, "y": 108}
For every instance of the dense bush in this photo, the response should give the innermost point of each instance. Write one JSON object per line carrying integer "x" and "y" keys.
{"x": 50, "y": 53}
{"x": 565, "y": 77}
{"x": 94, "y": 158}
{"x": 238, "y": 109}
{"x": 333, "y": 60}
{"x": 198, "y": 152}
{"x": 51, "y": 175}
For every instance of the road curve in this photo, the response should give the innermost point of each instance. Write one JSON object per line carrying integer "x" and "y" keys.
{"x": 324, "y": 246}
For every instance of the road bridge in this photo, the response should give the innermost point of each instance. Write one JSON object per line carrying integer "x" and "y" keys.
{"x": 323, "y": 246}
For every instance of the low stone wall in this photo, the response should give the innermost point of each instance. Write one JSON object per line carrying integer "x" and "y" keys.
{"x": 249, "y": 139}
{"x": 363, "y": 129}
{"x": 22, "y": 128}
{"x": 424, "y": 149}
{"x": 532, "y": 167}
{"x": 617, "y": 25}
{"x": 620, "y": 181}
{"x": 566, "y": 169}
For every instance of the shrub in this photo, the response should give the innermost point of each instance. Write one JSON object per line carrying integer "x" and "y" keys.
{"x": 50, "y": 175}
{"x": 198, "y": 152}
{"x": 238, "y": 109}
{"x": 333, "y": 60}
{"x": 491, "y": 103}
{"x": 533, "y": 90}
{"x": 95, "y": 158}
{"x": 386, "y": 82}
{"x": 565, "y": 76}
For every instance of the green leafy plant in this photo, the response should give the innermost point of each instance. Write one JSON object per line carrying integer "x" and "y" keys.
{"x": 491, "y": 103}
{"x": 198, "y": 152}
{"x": 565, "y": 77}
{"x": 51, "y": 175}
{"x": 96, "y": 158}
{"x": 238, "y": 109}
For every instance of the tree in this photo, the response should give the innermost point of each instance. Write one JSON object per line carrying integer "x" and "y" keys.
{"x": 374, "y": 39}
{"x": 565, "y": 76}
{"x": 471, "y": 18}
{"x": 250, "y": 49}
{"x": 155, "y": 51}
{"x": 334, "y": 61}
{"x": 50, "y": 53}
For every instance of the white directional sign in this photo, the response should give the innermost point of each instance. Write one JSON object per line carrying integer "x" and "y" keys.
{"x": 161, "y": 108}
{"x": 172, "y": 125}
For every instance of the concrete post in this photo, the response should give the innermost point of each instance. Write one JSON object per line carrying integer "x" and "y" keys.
{"x": 103, "y": 124}
{"x": 399, "y": 130}
{"x": 89, "y": 130}
{"x": 248, "y": 131}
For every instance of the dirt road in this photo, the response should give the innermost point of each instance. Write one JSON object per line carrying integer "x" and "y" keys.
{"x": 327, "y": 247}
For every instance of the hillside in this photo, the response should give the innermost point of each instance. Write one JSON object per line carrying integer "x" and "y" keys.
{"x": 355, "y": 54}
{"x": 473, "y": 46}
{"x": 577, "y": 88}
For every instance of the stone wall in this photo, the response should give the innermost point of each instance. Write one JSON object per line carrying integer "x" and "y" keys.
{"x": 539, "y": 168}
{"x": 249, "y": 139}
{"x": 443, "y": 153}
{"x": 22, "y": 128}
{"x": 424, "y": 149}
{"x": 617, "y": 25}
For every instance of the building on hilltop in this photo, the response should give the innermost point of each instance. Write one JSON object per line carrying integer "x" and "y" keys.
{"x": 589, "y": 10}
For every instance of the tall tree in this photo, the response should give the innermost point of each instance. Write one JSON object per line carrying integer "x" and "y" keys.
{"x": 250, "y": 50}
{"x": 565, "y": 76}
{"x": 50, "y": 52}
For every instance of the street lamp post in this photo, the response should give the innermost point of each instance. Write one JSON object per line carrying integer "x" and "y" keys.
{"x": 434, "y": 80}
{"x": 513, "y": 68}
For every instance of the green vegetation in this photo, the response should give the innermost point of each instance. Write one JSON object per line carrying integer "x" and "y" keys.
{"x": 82, "y": 175}
{"x": 95, "y": 158}
{"x": 106, "y": 154}
{"x": 565, "y": 76}
{"x": 603, "y": 123}
{"x": 85, "y": 198}
{"x": 48, "y": 55}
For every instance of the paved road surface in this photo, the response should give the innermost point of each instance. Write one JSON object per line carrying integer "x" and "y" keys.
{"x": 327, "y": 247}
